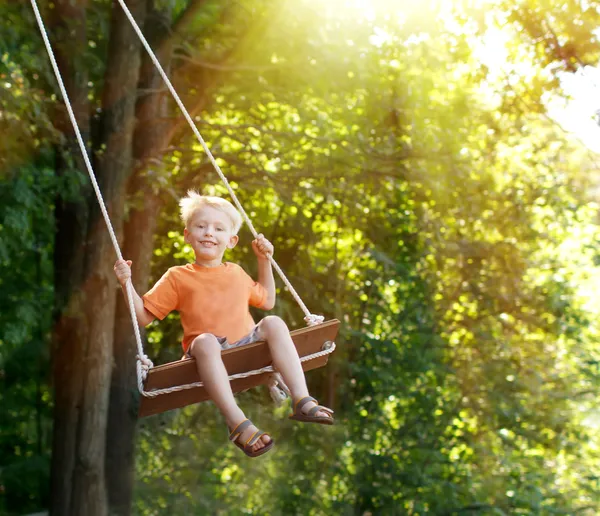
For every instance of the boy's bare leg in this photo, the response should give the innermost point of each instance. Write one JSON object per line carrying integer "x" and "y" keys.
{"x": 286, "y": 359}
{"x": 207, "y": 352}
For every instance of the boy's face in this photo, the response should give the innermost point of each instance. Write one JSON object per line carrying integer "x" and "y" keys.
{"x": 209, "y": 232}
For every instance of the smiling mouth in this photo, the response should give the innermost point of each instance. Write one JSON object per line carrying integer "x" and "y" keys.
{"x": 207, "y": 243}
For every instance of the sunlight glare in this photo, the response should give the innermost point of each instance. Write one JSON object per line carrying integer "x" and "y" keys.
{"x": 579, "y": 112}
{"x": 368, "y": 10}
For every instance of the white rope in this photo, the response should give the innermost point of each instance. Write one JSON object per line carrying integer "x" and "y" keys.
{"x": 143, "y": 363}
{"x": 311, "y": 319}
{"x": 97, "y": 191}
{"x": 268, "y": 369}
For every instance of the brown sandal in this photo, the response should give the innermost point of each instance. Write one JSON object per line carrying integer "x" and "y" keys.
{"x": 247, "y": 447}
{"x": 310, "y": 417}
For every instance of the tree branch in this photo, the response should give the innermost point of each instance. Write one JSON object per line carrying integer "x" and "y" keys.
{"x": 224, "y": 68}
{"x": 179, "y": 26}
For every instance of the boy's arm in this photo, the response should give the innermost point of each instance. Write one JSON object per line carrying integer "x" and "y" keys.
{"x": 262, "y": 248}
{"x": 266, "y": 279}
{"x": 123, "y": 272}
{"x": 144, "y": 317}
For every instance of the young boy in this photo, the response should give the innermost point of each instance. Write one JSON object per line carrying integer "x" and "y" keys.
{"x": 212, "y": 298}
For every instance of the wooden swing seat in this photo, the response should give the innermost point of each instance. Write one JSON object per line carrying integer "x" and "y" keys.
{"x": 238, "y": 360}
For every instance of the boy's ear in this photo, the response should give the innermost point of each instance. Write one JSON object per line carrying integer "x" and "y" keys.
{"x": 233, "y": 242}
{"x": 185, "y": 235}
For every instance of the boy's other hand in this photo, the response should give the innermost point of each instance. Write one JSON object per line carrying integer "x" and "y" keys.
{"x": 122, "y": 270}
{"x": 262, "y": 247}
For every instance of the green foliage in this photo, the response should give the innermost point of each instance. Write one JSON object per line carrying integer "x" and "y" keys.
{"x": 26, "y": 231}
{"x": 432, "y": 214}
{"x": 27, "y": 190}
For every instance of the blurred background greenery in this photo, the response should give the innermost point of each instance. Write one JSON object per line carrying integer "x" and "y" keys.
{"x": 428, "y": 174}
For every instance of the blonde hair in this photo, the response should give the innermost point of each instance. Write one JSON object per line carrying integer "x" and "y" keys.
{"x": 193, "y": 201}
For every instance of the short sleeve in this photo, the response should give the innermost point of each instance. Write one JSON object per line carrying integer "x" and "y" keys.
{"x": 163, "y": 297}
{"x": 257, "y": 293}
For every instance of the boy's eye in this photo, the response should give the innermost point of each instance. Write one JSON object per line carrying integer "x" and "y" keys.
{"x": 219, "y": 229}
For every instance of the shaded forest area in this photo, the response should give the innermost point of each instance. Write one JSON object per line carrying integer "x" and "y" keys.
{"x": 405, "y": 163}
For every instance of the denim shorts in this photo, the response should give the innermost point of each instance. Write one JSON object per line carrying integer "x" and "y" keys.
{"x": 253, "y": 336}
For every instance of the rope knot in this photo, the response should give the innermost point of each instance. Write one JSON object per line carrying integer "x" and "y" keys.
{"x": 145, "y": 363}
{"x": 313, "y": 319}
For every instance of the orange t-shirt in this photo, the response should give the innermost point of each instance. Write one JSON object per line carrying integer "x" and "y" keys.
{"x": 209, "y": 300}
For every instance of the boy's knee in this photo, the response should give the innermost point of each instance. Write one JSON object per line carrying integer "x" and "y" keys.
{"x": 272, "y": 322}
{"x": 205, "y": 345}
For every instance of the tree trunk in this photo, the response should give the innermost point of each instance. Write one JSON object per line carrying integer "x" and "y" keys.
{"x": 152, "y": 136}
{"x": 67, "y": 22}
{"x": 84, "y": 257}
{"x": 138, "y": 243}
{"x": 113, "y": 168}
{"x": 153, "y": 133}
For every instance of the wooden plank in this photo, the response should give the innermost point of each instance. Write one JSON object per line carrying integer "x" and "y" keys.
{"x": 247, "y": 358}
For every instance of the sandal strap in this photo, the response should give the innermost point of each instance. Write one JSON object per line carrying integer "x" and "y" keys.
{"x": 237, "y": 431}
{"x": 303, "y": 401}
{"x": 254, "y": 439}
{"x": 312, "y": 412}
{"x": 247, "y": 443}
